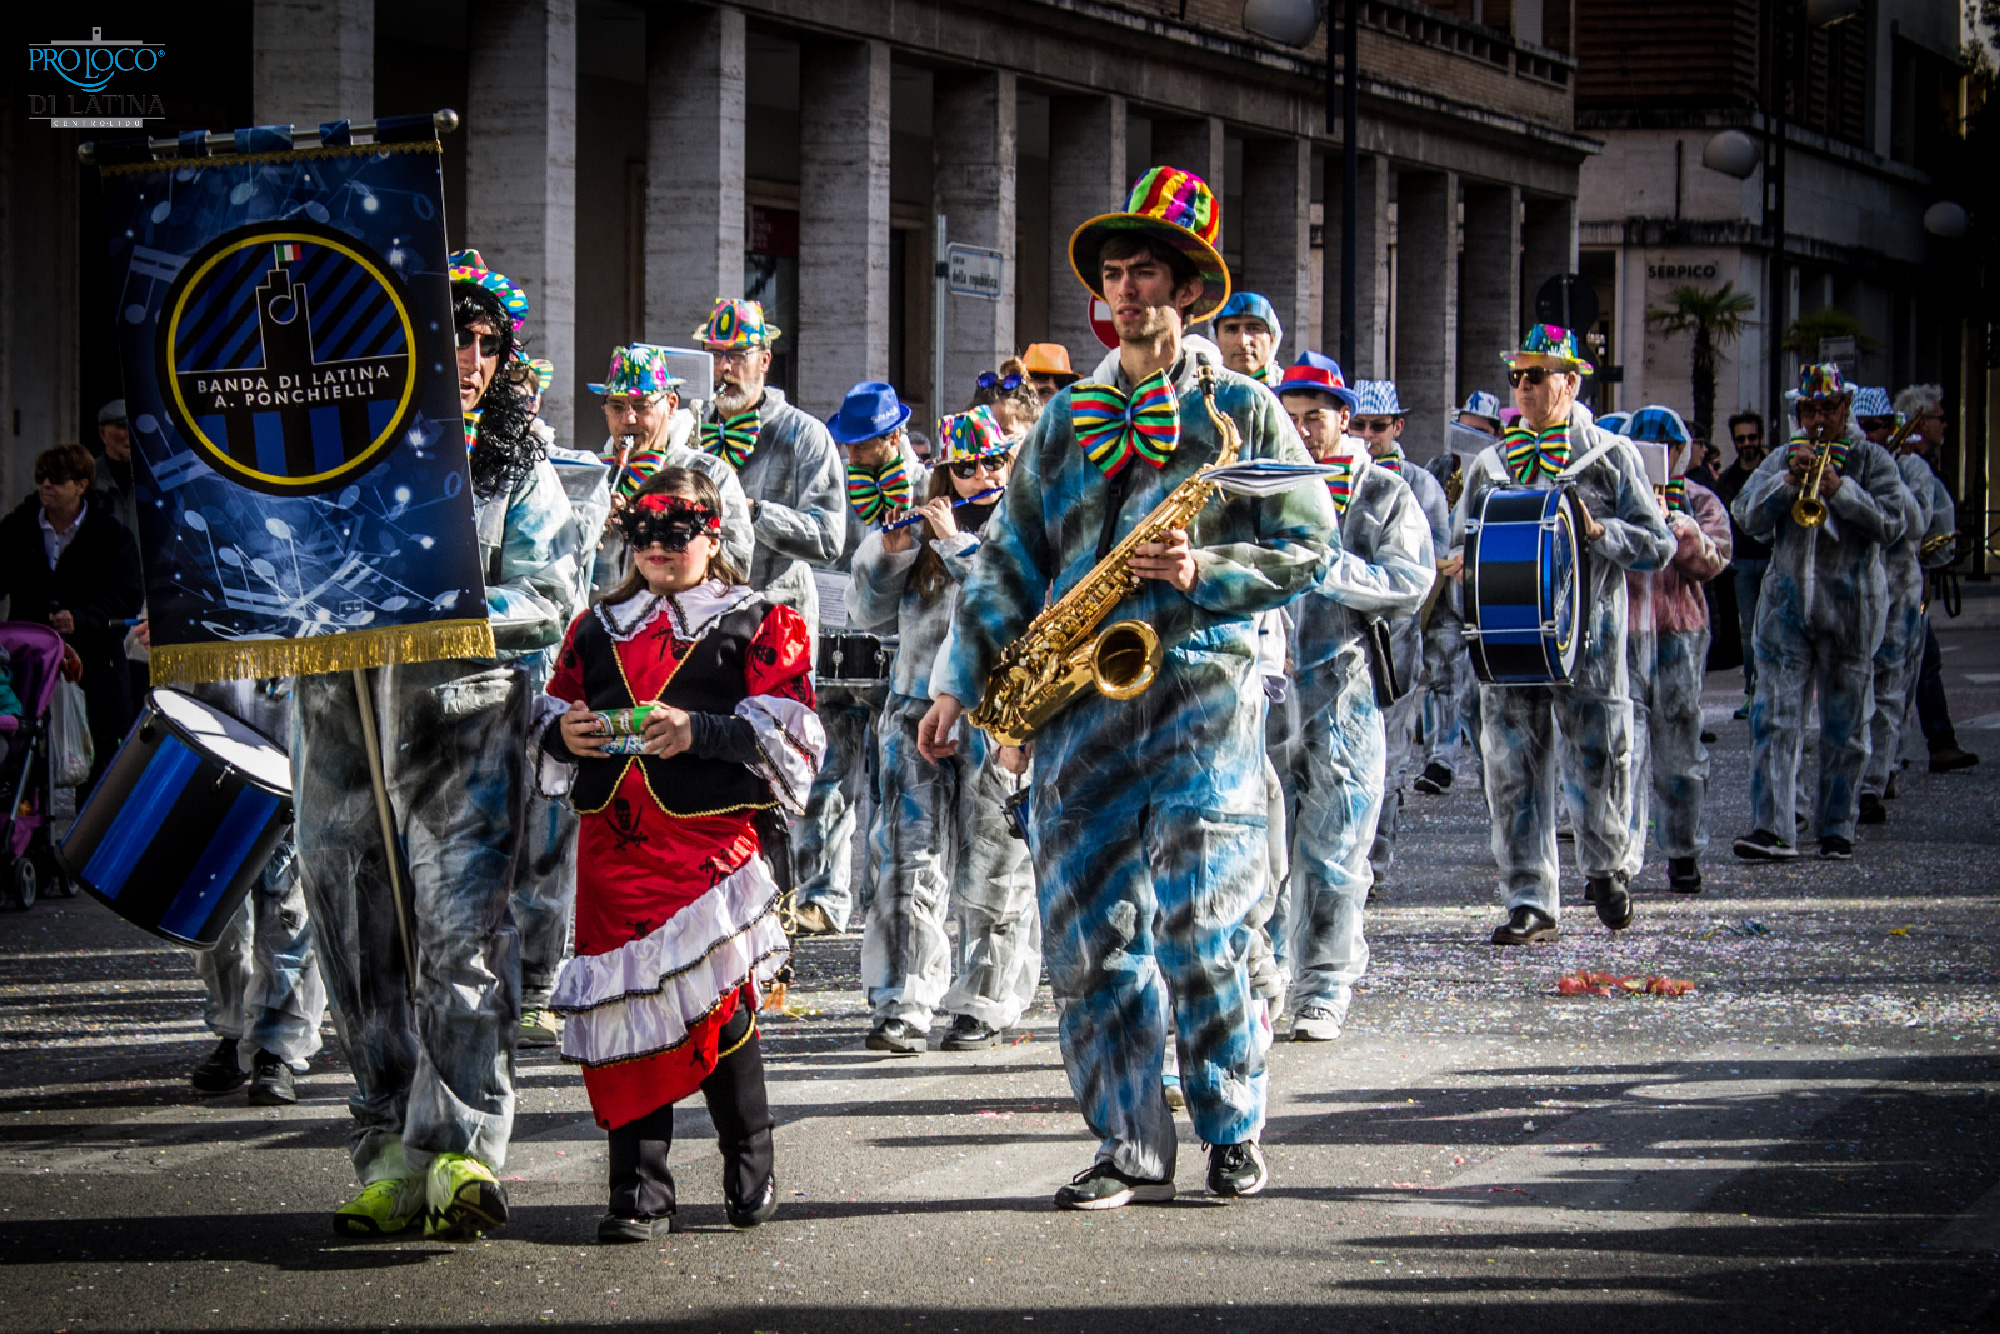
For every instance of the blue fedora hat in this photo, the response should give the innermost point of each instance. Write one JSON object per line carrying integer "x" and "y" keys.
{"x": 870, "y": 410}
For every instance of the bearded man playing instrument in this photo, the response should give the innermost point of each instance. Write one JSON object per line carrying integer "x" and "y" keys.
{"x": 1147, "y": 820}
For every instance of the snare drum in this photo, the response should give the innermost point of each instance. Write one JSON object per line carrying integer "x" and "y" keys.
{"x": 183, "y": 821}
{"x": 1526, "y": 570}
{"x": 850, "y": 658}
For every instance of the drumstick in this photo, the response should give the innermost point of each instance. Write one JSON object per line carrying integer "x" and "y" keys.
{"x": 969, "y": 500}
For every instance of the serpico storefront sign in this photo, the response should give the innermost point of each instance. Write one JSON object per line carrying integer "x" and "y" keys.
{"x": 89, "y": 67}
{"x": 1680, "y": 272}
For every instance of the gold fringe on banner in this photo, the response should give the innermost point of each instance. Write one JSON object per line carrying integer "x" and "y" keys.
{"x": 245, "y": 659}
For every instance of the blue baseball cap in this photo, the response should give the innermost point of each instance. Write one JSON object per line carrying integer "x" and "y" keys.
{"x": 1661, "y": 425}
{"x": 870, "y": 411}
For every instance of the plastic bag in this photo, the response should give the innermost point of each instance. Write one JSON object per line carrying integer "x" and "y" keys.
{"x": 70, "y": 751}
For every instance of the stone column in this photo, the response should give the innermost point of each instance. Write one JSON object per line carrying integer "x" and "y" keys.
{"x": 694, "y": 166}
{"x": 1086, "y": 179}
{"x": 520, "y": 173}
{"x": 843, "y": 334}
{"x": 1426, "y": 304}
{"x": 1371, "y": 305}
{"x": 1548, "y": 248}
{"x": 314, "y": 61}
{"x": 1277, "y": 234}
{"x": 1194, "y": 144}
{"x": 975, "y": 136}
{"x": 1491, "y": 299}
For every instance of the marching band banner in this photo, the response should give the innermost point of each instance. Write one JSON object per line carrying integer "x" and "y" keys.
{"x": 284, "y": 327}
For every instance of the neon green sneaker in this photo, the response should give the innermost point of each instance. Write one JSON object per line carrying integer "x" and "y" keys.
{"x": 382, "y": 1209}
{"x": 464, "y": 1197}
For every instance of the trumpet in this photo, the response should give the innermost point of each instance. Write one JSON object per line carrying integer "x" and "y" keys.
{"x": 1809, "y": 511}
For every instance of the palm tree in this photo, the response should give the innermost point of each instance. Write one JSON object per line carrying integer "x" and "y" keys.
{"x": 1714, "y": 318}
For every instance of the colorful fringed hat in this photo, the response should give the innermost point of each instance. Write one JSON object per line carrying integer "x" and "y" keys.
{"x": 1820, "y": 383}
{"x": 735, "y": 323}
{"x": 1315, "y": 372}
{"x": 1170, "y": 205}
{"x": 974, "y": 434}
{"x": 540, "y": 370}
{"x": 1552, "y": 341}
{"x": 467, "y": 266}
{"x": 638, "y": 368}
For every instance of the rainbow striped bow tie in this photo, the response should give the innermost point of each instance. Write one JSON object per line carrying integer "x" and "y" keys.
{"x": 1393, "y": 460}
{"x": 640, "y": 464}
{"x": 1114, "y": 427}
{"x": 1341, "y": 484}
{"x": 875, "y": 494}
{"x": 1528, "y": 452}
{"x": 471, "y": 431}
{"x": 1677, "y": 495}
{"x": 1836, "y": 453}
{"x": 731, "y": 438}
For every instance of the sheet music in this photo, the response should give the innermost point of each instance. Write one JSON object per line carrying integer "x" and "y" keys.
{"x": 832, "y": 586}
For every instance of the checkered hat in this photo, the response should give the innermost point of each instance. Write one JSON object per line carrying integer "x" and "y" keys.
{"x": 1378, "y": 399}
{"x": 1870, "y": 401}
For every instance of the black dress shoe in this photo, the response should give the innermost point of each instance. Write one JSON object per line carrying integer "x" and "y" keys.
{"x": 617, "y": 1229}
{"x": 1707, "y": 737}
{"x": 969, "y": 1034}
{"x": 1951, "y": 758}
{"x": 1683, "y": 875}
{"x": 1872, "y": 810}
{"x": 1526, "y": 926}
{"x": 758, "y": 1209}
{"x": 1613, "y": 900}
{"x": 1434, "y": 781}
{"x": 898, "y": 1037}
{"x": 219, "y": 1071}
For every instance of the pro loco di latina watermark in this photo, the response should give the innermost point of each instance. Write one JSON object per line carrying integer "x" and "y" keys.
{"x": 88, "y": 67}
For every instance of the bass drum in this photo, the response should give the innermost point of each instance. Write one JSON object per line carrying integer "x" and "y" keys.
{"x": 1526, "y": 572}
{"x": 183, "y": 821}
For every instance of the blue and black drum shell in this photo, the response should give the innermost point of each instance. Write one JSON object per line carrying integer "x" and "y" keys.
{"x": 1527, "y": 570}
{"x": 173, "y": 837}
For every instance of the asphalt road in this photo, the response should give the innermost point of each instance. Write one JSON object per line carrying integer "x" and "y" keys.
{"x": 1807, "y": 1141}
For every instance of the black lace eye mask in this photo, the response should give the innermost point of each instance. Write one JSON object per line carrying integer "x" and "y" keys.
{"x": 670, "y": 521}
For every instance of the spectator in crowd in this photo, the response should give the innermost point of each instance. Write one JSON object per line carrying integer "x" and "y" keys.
{"x": 1750, "y": 557}
{"x": 67, "y": 562}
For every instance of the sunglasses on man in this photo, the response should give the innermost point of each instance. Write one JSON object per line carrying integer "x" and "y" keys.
{"x": 1747, "y": 438}
{"x": 489, "y": 344}
{"x": 1374, "y": 425}
{"x": 967, "y": 469}
{"x": 57, "y": 477}
{"x": 1534, "y": 375}
{"x": 1005, "y": 384}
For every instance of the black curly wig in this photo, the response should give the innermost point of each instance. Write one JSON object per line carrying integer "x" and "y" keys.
{"x": 506, "y": 450}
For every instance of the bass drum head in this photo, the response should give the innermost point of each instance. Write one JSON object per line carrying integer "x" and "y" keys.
{"x": 214, "y": 733}
{"x": 1564, "y": 575}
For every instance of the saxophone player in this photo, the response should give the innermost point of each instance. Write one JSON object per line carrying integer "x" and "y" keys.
{"x": 1820, "y": 614}
{"x": 1147, "y": 820}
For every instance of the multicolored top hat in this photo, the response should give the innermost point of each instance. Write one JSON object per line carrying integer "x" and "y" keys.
{"x": 639, "y": 369}
{"x": 1169, "y": 205}
{"x": 1378, "y": 399}
{"x": 1658, "y": 425}
{"x": 467, "y": 266}
{"x": 870, "y": 411}
{"x": 974, "y": 434}
{"x": 1819, "y": 384}
{"x": 1871, "y": 401}
{"x": 1552, "y": 341}
{"x": 540, "y": 371}
{"x": 1051, "y": 359}
{"x": 735, "y": 323}
{"x": 1482, "y": 404}
{"x": 1315, "y": 372}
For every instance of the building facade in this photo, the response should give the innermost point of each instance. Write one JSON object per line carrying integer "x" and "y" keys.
{"x": 629, "y": 163}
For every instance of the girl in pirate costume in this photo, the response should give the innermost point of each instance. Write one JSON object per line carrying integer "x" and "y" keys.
{"x": 675, "y": 928}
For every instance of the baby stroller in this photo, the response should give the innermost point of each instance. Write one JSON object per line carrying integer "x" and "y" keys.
{"x": 26, "y": 850}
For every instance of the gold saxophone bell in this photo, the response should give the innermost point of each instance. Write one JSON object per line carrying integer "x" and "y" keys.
{"x": 1125, "y": 659}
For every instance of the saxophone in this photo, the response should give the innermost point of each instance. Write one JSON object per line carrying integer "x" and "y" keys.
{"x": 1063, "y": 652}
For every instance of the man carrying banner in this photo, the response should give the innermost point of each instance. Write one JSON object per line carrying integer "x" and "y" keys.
{"x": 428, "y": 1004}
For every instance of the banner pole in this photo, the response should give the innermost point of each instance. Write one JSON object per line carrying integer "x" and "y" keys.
{"x": 390, "y": 849}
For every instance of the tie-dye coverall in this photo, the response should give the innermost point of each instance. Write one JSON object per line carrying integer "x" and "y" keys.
{"x": 1148, "y": 817}
{"x": 435, "y": 1074}
{"x": 940, "y": 836}
{"x": 1332, "y": 766}
{"x": 1902, "y": 649}
{"x": 823, "y": 838}
{"x": 1819, "y": 620}
{"x": 1669, "y": 762}
{"x": 1399, "y": 722}
{"x": 262, "y": 976}
{"x": 1451, "y": 693}
{"x": 1594, "y": 711}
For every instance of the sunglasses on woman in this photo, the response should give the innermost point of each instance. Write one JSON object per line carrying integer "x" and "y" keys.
{"x": 489, "y": 344}
{"x": 60, "y": 478}
{"x": 968, "y": 469}
{"x": 1005, "y": 384}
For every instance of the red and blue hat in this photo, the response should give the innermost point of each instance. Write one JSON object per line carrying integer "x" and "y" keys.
{"x": 1317, "y": 373}
{"x": 467, "y": 266}
{"x": 973, "y": 434}
{"x": 1554, "y": 342}
{"x": 1819, "y": 384}
{"x": 736, "y": 323}
{"x": 1170, "y": 205}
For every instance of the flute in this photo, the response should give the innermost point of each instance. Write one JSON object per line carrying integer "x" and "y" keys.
{"x": 995, "y": 493}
